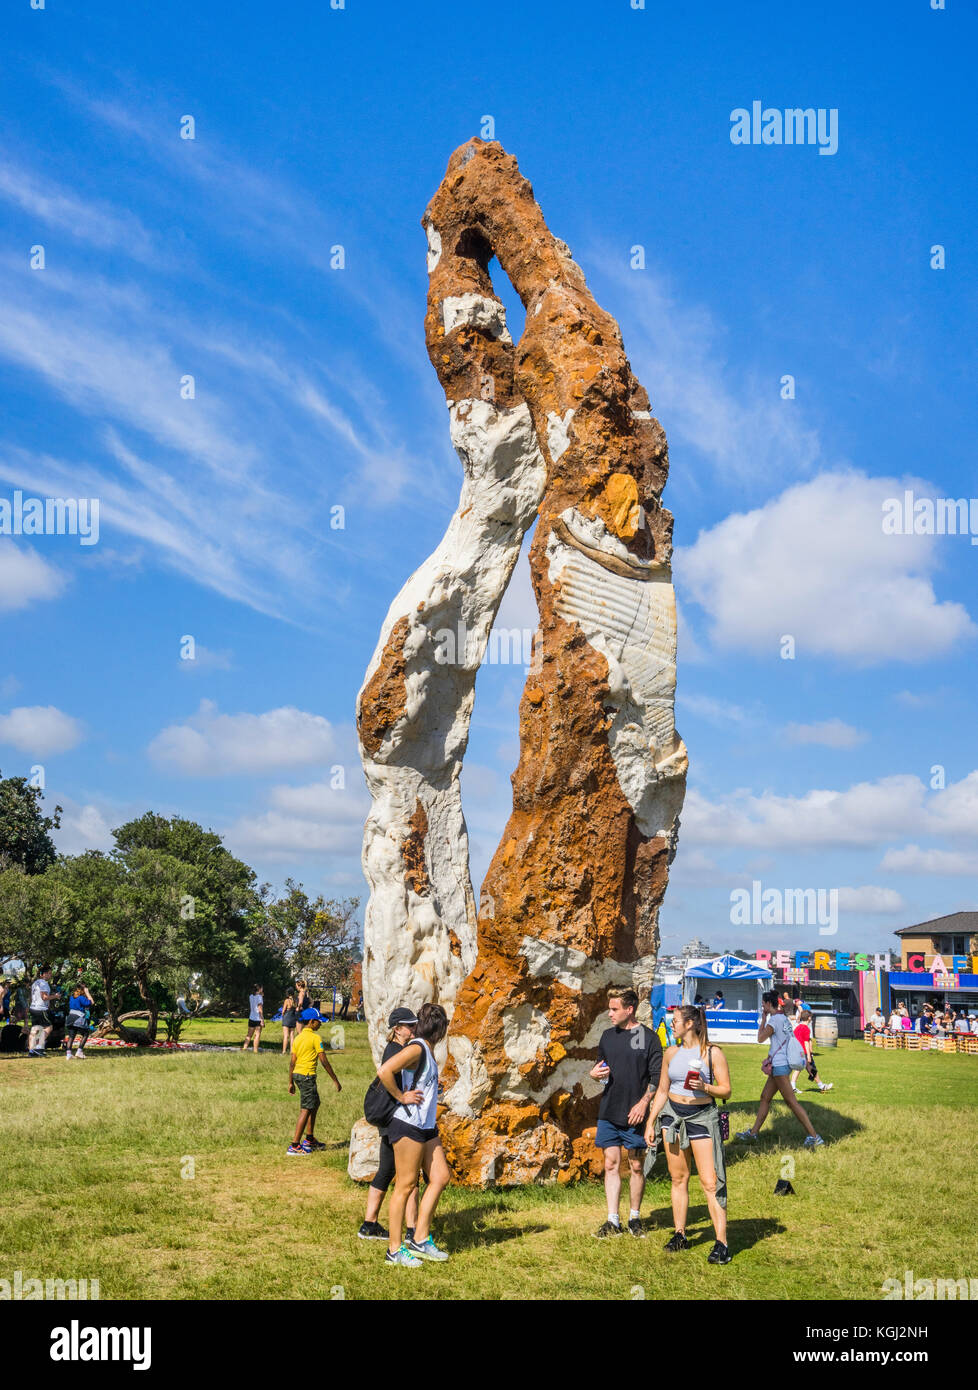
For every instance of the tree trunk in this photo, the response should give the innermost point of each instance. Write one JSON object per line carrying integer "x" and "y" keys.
{"x": 152, "y": 1008}
{"x": 115, "y": 1022}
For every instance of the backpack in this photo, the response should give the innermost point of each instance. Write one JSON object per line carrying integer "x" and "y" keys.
{"x": 379, "y": 1105}
{"x": 797, "y": 1058}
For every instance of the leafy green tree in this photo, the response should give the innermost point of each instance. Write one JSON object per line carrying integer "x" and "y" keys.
{"x": 221, "y": 912}
{"x": 25, "y": 840}
{"x": 319, "y": 938}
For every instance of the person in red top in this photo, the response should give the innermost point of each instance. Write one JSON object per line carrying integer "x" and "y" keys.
{"x": 803, "y": 1032}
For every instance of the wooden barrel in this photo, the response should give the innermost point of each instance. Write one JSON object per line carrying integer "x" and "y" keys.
{"x": 826, "y": 1030}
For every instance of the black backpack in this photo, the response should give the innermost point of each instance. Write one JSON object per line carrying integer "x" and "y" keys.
{"x": 379, "y": 1105}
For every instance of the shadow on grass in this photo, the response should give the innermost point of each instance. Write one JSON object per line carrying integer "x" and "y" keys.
{"x": 741, "y": 1235}
{"x": 465, "y": 1227}
{"x": 781, "y": 1129}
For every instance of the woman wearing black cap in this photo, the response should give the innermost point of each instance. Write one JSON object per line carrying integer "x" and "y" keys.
{"x": 401, "y": 1023}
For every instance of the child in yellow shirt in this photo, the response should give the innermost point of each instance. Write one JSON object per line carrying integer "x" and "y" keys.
{"x": 307, "y": 1053}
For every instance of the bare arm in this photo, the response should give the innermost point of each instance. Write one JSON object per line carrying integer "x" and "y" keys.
{"x": 324, "y": 1060}
{"x": 661, "y": 1095}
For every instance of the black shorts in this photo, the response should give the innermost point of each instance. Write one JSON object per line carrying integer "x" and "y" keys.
{"x": 288, "y": 1020}
{"x": 308, "y": 1091}
{"x": 685, "y": 1112}
{"x": 254, "y": 1023}
{"x": 400, "y": 1129}
{"x": 40, "y": 1018}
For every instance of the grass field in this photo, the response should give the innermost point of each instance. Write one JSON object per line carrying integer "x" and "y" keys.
{"x": 93, "y": 1152}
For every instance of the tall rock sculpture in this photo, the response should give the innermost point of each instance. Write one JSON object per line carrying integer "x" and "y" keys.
{"x": 557, "y": 430}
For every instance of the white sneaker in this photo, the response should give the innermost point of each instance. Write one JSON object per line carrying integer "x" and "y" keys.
{"x": 79, "y": 1054}
{"x": 813, "y": 1141}
{"x": 68, "y": 1055}
{"x": 826, "y": 1086}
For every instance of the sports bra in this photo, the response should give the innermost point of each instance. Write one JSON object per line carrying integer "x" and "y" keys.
{"x": 687, "y": 1059}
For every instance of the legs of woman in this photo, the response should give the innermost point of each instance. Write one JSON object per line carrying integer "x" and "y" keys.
{"x": 407, "y": 1163}
{"x": 382, "y": 1180}
{"x": 438, "y": 1176}
{"x": 789, "y": 1098}
{"x": 706, "y": 1170}
{"x": 679, "y": 1161}
{"x": 767, "y": 1095}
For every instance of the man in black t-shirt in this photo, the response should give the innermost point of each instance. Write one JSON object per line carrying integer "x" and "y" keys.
{"x": 629, "y": 1063}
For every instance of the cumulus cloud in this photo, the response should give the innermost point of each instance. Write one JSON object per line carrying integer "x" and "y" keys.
{"x": 316, "y": 818}
{"x": 870, "y": 899}
{"x": 814, "y": 563}
{"x": 25, "y": 577}
{"x": 210, "y": 744}
{"x": 830, "y": 733}
{"x": 868, "y": 813}
{"x": 40, "y": 730}
{"x": 82, "y": 828}
{"x": 911, "y": 859}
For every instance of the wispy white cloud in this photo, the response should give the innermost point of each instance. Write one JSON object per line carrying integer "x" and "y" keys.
{"x": 945, "y": 863}
{"x": 829, "y": 733}
{"x": 88, "y": 219}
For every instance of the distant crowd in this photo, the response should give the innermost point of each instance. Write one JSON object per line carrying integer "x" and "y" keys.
{"x": 928, "y": 1021}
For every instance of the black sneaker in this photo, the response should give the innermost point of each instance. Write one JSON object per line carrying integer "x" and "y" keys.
{"x": 719, "y": 1255}
{"x": 373, "y": 1230}
{"x": 610, "y": 1228}
{"x": 678, "y": 1242}
{"x": 635, "y": 1228}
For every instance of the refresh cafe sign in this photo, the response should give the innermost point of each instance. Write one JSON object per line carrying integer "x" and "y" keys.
{"x": 50, "y": 516}
{"x": 824, "y": 960}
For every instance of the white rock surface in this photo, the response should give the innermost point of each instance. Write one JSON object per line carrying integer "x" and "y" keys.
{"x": 410, "y": 956}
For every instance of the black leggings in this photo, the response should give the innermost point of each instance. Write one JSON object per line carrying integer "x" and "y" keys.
{"x": 385, "y": 1170}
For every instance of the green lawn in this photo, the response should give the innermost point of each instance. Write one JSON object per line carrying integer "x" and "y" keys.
{"x": 91, "y": 1186}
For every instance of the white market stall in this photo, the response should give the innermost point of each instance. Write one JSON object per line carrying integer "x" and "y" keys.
{"x": 742, "y": 982}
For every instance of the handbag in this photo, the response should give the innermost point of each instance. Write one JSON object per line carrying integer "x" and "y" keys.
{"x": 724, "y": 1114}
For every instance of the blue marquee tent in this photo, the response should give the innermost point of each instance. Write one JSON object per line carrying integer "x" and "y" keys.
{"x": 743, "y": 982}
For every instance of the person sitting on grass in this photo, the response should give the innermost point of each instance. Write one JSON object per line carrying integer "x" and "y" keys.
{"x": 79, "y": 1006}
{"x": 307, "y": 1053}
{"x": 776, "y": 1031}
{"x": 413, "y": 1134}
{"x": 803, "y": 1033}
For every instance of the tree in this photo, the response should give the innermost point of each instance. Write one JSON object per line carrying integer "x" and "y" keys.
{"x": 319, "y": 938}
{"x": 221, "y": 913}
{"x": 24, "y": 838}
{"x": 35, "y": 923}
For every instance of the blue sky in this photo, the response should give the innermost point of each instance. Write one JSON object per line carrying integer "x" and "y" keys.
{"x": 211, "y": 258}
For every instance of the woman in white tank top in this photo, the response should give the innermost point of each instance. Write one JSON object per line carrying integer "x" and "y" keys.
{"x": 413, "y": 1133}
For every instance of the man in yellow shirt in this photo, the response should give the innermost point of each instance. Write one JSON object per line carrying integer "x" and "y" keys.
{"x": 307, "y": 1052}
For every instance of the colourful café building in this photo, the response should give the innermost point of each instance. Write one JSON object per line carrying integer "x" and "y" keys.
{"x": 938, "y": 964}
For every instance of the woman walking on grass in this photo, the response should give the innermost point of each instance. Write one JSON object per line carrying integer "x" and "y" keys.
{"x": 694, "y": 1077}
{"x": 776, "y": 1031}
{"x": 413, "y": 1133}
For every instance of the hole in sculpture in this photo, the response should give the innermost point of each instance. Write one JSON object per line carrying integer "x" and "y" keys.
{"x": 494, "y": 743}
{"x": 503, "y": 289}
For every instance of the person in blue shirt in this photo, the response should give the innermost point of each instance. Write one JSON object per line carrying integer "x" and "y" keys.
{"x": 79, "y": 1008}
